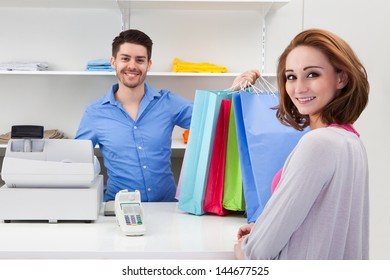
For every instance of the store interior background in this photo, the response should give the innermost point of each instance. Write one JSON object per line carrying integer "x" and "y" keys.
{"x": 68, "y": 37}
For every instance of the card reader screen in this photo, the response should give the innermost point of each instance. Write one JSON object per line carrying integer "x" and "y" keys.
{"x": 132, "y": 213}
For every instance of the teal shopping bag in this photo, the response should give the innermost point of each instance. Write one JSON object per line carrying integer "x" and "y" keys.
{"x": 195, "y": 168}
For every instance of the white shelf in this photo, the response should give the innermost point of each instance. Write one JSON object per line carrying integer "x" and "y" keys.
{"x": 148, "y": 4}
{"x": 178, "y": 144}
{"x": 201, "y": 4}
{"x": 79, "y": 4}
{"x": 102, "y": 73}
{"x": 58, "y": 73}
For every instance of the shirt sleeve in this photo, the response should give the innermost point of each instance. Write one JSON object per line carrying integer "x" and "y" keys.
{"x": 85, "y": 130}
{"x": 307, "y": 170}
{"x": 184, "y": 113}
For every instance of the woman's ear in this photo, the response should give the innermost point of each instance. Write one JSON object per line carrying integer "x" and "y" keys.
{"x": 342, "y": 80}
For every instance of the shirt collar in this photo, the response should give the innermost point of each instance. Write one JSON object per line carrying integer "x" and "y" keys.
{"x": 150, "y": 94}
{"x": 109, "y": 98}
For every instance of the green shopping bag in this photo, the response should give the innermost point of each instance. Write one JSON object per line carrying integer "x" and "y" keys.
{"x": 233, "y": 193}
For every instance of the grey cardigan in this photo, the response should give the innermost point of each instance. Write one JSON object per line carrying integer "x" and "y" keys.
{"x": 320, "y": 208}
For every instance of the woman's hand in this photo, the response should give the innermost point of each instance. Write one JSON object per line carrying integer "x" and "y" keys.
{"x": 238, "y": 251}
{"x": 245, "y": 79}
{"x": 244, "y": 230}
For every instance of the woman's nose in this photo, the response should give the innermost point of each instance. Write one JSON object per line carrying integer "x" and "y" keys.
{"x": 301, "y": 86}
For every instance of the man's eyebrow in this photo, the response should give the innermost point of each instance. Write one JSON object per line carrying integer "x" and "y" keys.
{"x": 126, "y": 55}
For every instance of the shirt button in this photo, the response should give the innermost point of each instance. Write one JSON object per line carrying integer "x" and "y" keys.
{"x": 144, "y": 167}
{"x": 149, "y": 189}
{"x": 135, "y": 127}
{"x": 139, "y": 148}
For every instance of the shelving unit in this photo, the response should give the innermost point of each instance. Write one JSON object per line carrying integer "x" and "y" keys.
{"x": 147, "y": 4}
{"x": 68, "y": 33}
{"x": 103, "y": 73}
{"x": 128, "y": 8}
{"x": 71, "y": 74}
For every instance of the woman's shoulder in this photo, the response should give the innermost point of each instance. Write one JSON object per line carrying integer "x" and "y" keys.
{"x": 321, "y": 134}
{"x": 329, "y": 137}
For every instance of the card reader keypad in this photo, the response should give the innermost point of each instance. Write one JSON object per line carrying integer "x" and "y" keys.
{"x": 133, "y": 219}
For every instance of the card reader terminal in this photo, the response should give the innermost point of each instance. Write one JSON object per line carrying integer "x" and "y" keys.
{"x": 129, "y": 212}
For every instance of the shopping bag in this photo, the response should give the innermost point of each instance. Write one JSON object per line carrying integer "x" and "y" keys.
{"x": 178, "y": 188}
{"x": 248, "y": 180}
{"x": 194, "y": 173}
{"x": 266, "y": 145}
{"x": 233, "y": 193}
{"x": 215, "y": 183}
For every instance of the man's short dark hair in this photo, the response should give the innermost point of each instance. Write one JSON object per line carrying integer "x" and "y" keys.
{"x": 132, "y": 36}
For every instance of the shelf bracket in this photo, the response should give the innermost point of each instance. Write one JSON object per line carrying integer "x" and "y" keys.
{"x": 264, "y": 12}
{"x": 125, "y": 9}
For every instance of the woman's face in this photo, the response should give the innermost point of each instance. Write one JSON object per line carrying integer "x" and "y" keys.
{"x": 312, "y": 82}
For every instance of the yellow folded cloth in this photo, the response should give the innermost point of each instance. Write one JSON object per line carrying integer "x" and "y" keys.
{"x": 203, "y": 67}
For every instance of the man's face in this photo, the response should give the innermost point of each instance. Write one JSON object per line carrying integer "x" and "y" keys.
{"x": 131, "y": 65}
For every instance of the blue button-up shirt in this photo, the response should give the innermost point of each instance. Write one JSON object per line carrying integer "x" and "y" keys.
{"x": 137, "y": 154}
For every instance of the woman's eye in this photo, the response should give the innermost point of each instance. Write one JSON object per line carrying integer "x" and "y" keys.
{"x": 290, "y": 77}
{"x": 312, "y": 75}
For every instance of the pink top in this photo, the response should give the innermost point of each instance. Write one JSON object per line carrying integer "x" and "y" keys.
{"x": 278, "y": 175}
{"x": 276, "y": 179}
{"x": 347, "y": 127}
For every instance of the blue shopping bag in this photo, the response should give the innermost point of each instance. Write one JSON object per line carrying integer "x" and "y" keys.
{"x": 195, "y": 168}
{"x": 264, "y": 145}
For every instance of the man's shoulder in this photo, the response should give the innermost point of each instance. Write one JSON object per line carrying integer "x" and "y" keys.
{"x": 171, "y": 96}
{"x": 97, "y": 103}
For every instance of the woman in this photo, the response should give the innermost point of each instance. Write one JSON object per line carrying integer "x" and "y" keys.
{"x": 319, "y": 209}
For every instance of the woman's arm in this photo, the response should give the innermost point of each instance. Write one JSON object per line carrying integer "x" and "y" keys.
{"x": 307, "y": 170}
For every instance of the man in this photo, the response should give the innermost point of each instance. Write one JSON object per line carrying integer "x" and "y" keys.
{"x": 133, "y": 124}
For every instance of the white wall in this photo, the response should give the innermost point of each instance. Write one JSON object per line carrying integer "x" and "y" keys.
{"x": 365, "y": 25}
{"x": 67, "y": 38}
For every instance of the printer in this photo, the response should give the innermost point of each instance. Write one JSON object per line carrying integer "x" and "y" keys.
{"x": 49, "y": 179}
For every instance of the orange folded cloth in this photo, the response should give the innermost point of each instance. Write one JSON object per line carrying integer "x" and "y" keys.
{"x": 186, "y": 134}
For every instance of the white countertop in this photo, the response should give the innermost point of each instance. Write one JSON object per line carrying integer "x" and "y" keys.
{"x": 170, "y": 234}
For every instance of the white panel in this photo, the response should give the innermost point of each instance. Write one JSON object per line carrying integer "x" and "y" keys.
{"x": 67, "y": 38}
{"x": 364, "y": 25}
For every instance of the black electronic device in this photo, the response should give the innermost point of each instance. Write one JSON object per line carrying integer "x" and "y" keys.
{"x": 27, "y": 131}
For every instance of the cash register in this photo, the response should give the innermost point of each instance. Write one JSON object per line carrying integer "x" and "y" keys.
{"x": 49, "y": 179}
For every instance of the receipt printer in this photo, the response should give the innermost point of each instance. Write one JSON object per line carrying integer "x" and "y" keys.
{"x": 49, "y": 179}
